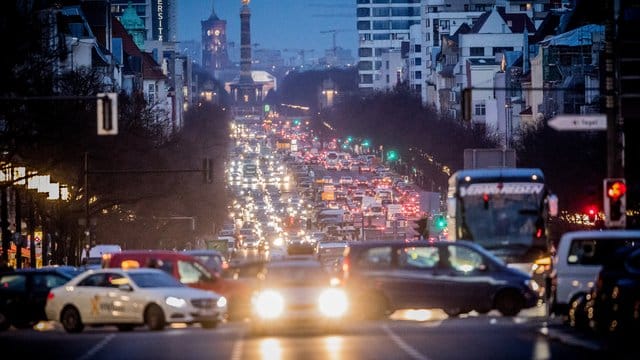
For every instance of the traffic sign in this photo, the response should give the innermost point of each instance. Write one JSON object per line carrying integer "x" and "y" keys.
{"x": 576, "y": 122}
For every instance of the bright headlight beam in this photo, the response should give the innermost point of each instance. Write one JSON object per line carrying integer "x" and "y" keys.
{"x": 333, "y": 303}
{"x": 269, "y": 304}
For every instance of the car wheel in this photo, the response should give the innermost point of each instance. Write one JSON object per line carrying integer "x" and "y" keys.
{"x": 453, "y": 311}
{"x": 71, "y": 320}
{"x": 154, "y": 318}
{"x": 209, "y": 324}
{"x": 125, "y": 327}
{"x": 4, "y": 322}
{"x": 509, "y": 302}
{"x": 483, "y": 310}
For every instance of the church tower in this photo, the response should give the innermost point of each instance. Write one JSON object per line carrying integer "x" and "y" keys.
{"x": 215, "y": 56}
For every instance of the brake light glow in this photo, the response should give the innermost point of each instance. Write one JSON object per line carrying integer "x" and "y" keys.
{"x": 50, "y": 296}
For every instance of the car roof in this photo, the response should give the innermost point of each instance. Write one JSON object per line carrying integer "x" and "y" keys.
{"x": 601, "y": 234}
{"x": 63, "y": 271}
{"x": 203, "y": 252}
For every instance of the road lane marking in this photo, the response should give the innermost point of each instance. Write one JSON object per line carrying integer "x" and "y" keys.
{"x": 408, "y": 349}
{"x": 94, "y": 350}
{"x": 236, "y": 352}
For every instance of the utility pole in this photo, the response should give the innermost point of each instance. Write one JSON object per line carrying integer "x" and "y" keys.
{"x": 615, "y": 136}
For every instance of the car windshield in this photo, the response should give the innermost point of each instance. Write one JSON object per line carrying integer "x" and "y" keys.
{"x": 154, "y": 280}
{"x": 298, "y": 276}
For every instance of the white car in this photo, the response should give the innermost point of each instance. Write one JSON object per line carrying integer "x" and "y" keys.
{"x": 129, "y": 298}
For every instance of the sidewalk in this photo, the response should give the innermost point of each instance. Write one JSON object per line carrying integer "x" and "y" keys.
{"x": 609, "y": 347}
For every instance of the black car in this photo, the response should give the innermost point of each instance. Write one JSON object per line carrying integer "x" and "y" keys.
{"x": 457, "y": 277}
{"x": 23, "y": 294}
{"x": 614, "y": 303}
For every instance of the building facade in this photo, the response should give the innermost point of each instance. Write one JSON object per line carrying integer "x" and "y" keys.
{"x": 382, "y": 25}
{"x": 159, "y": 16}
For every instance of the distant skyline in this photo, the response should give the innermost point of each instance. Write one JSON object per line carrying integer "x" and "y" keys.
{"x": 278, "y": 24}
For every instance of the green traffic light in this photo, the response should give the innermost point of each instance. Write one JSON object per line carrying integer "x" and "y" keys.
{"x": 392, "y": 155}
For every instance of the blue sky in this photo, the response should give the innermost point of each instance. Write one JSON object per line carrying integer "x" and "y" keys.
{"x": 278, "y": 24}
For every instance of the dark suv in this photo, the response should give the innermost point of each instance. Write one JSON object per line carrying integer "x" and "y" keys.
{"x": 23, "y": 294}
{"x": 455, "y": 276}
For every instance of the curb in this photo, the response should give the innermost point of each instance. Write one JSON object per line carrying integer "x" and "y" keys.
{"x": 571, "y": 339}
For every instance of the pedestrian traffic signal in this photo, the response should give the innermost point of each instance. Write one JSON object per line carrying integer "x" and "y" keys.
{"x": 615, "y": 202}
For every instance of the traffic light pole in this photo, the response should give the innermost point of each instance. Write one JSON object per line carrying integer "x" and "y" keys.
{"x": 615, "y": 134}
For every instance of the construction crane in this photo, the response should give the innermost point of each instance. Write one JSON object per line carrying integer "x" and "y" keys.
{"x": 300, "y": 52}
{"x": 333, "y": 32}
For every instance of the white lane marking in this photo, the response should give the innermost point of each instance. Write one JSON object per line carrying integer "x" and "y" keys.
{"x": 94, "y": 350}
{"x": 236, "y": 352}
{"x": 408, "y": 349}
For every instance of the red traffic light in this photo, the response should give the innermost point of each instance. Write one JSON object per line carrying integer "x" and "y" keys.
{"x": 592, "y": 212}
{"x": 616, "y": 189}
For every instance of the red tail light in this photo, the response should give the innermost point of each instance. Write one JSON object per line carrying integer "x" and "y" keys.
{"x": 345, "y": 266}
{"x": 539, "y": 233}
{"x": 50, "y": 296}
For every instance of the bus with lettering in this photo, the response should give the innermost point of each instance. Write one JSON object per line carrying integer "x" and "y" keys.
{"x": 505, "y": 210}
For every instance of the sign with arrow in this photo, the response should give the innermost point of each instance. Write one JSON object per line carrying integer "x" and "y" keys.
{"x": 576, "y": 122}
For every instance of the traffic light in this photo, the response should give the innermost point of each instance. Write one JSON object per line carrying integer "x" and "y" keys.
{"x": 592, "y": 213}
{"x": 440, "y": 222}
{"x": 392, "y": 155}
{"x": 615, "y": 202}
{"x": 422, "y": 227}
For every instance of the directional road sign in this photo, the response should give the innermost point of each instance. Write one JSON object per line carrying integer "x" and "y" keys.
{"x": 576, "y": 122}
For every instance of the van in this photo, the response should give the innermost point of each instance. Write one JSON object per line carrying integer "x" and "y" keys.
{"x": 578, "y": 261}
{"x": 94, "y": 257}
{"x": 189, "y": 271}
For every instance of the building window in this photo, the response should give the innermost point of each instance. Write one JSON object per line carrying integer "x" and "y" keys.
{"x": 428, "y": 23}
{"x": 480, "y": 110}
{"x": 151, "y": 93}
{"x": 364, "y": 12}
{"x": 386, "y": 36}
{"x": 418, "y": 61}
{"x": 378, "y": 65}
{"x": 444, "y": 24}
{"x": 417, "y": 48}
{"x": 502, "y": 49}
{"x": 386, "y": 65}
{"x": 366, "y": 79}
{"x": 364, "y": 25}
{"x": 418, "y": 75}
{"x": 381, "y": 12}
{"x": 523, "y": 7}
{"x": 387, "y": 78}
{"x": 364, "y": 1}
{"x": 365, "y": 52}
{"x": 476, "y": 51}
{"x": 365, "y": 37}
{"x": 381, "y": 25}
{"x": 365, "y": 65}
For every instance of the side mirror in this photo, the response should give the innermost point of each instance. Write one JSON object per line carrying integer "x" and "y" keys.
{"x": 125, "y": 287}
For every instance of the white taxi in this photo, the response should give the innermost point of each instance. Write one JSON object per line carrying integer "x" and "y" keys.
{"x": 129, "y": 298}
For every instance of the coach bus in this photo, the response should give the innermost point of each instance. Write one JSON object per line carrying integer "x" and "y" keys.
{"x": 505, "y": 210}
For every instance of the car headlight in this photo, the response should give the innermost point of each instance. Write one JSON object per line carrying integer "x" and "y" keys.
{"x": 333, "y": 303}
{"x": 222, "y": 302}
{"x": 175, "y": 301}
{"x": 268, "y": 304}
